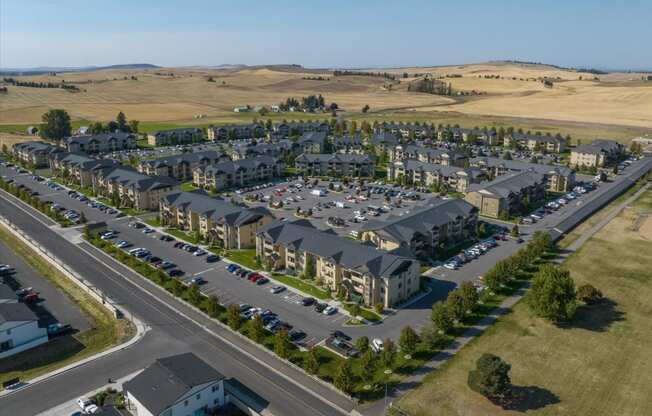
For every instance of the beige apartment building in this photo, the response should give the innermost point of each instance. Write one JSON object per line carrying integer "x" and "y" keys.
{"x": 237, "y": 173}
{"x": 134, "y": 189}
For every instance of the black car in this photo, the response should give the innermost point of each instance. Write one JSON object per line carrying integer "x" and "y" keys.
{"x": 165, "y": 237}
{"x": 212, "y": 258}
{"x": 319, "y": 307}
{"x": 296, "y": 335}
{"x": 307, "y": 301}
{"x": 340, "y": 335}
{"x": 175, "y": 273}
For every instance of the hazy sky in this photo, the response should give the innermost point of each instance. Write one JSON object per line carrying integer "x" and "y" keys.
{"x": 334, "y": 33}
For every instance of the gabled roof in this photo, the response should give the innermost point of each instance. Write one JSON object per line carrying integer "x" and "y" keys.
{"x": 598, "y": 146}
{"x": 421, "y": 219}
{"x": 16, "y": 312}
{"x": 538, "y": 138}
{"x": 313, "y": 137}
{"x": 102, "y": 138}
{"x": 386, "y": 138}
{"x": 505, "y": 185}
{"x": 518, "y": 166}
{"x": 189, "y": 158}
{"x": 335, "y": 157}
{"x": 37, "y": 147}
{"x": 237, "y": 165}
{"x": 302, "y": 235}
{"x": 168, "y": 379}
{"x": 177, "y": 132}
{"x": 129, "y": 177}
{"x": 217, "y": 209}
{"x": 443, "y": 170}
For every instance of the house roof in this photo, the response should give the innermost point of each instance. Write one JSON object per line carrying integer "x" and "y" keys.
{"x": 302, "y": 235}
{"x": 435, "y": 213}
{"x": 165, "y": 381}
{"x": 16, "y": 312}
{"x": 598, "y": 146}
{"x": 518, "y": 166}
{"x": 505, "y": 185}
{"x": 386, "y": 138}
{"x": 37, "y": 147}
{"x": 102, "y": 138}
{"x": 313, "y": 137}
{"x": 443, "y": 170}
{"x": 236, "y": 165}
{"x": 335, "y": 157}
{"x": 217, "y": 209}
{"x": 538, "y": 138}
{"x": 433, "y": 153}
{"x": 129, "y": 177}
{"x": 189, "y": 158}
{"x": 176, "y": 132}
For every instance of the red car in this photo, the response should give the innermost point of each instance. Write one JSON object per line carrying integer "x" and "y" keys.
{"x": 254, "y": 277}
{"x": 31, "y": 297}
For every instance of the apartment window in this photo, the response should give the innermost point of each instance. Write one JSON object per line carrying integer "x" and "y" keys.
{"x": 198, "y": 396}
{"x": 400, "y": 285}
{"x": 8, "y": 331}
{"x": 185, "y": 403}
{"x": 215, "y": 388}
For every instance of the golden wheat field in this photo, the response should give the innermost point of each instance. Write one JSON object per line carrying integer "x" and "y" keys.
{"x": 171, "y": 95}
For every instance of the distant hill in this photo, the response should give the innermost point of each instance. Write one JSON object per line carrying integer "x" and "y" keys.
{"x": 47, "y": 69}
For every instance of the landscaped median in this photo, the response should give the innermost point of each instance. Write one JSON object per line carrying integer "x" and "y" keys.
{"x": 35, "y": 202}
{"x": 105, "y": 331}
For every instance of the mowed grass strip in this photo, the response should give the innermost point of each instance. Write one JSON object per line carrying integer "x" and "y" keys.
{"x": 105, "y": 331}
{"x": 601, "y": 364}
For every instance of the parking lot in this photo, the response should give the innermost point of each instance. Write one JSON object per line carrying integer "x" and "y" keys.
{"x": 344, "y": 208}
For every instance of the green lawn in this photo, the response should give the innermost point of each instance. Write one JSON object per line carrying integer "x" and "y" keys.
{"x": 301, "y": 285}
{"x": 187, "y": 187}
{"x": 367, "y": 314}
{"x": 182, "y": 235}
{"x": 246, "y": 258}
{"x": 154, "y": 222}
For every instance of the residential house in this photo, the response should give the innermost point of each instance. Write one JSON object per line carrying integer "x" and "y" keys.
{"x": 425, "y": 231}
{"x": 424, "y": 154}
{"x": 597, "y": 154}
{"x": 430, "y": 174}
{"x": 336, "y": 164}
{"x": 312, "y": 142}
{"x": 236, "y": 132}
{"x": 533, "y": 142}
{"x": 508, "y": 194}
{"x": 175, "y": 136}
{"x": 180, "y": 166}
{"x": 134, "y": 189}
{"x": 359, "y": 271}
{"x": 237, "y": 173}
{"x": 223, "y": 223}
{"x": 36, "y": 153}
{"x": 348, "y": 144}
{"x": 558, "y": 178}
{"x": 101, "y": 143}
{"x": 19, "y": 329}
{"x": 179, "y": 385}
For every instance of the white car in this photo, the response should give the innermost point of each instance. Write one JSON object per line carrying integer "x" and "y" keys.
{"x": 91, "y": 409}
{"x": 330, "y": 310}
{"x": 84, "y": 402}
{"x": 450, "y": 266}
{"x": 277, "y": 289}
{"x": 377, "y": 345}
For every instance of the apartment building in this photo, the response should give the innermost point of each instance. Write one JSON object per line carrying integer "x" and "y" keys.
{"x": 36, "y": 153}
{"x": 508, "y": 194}
{"x": 180, "y": 166}
{"x": 179, "y": 385}
{"x": 429, "y": 174}
{"x": 101, "y": 143}
{"x": 276, "y": 149}
{"x": 221, "y": 222}
{"x": 427, "y": 230}
{"x": 558, "y": 178}
{"x": 348, "y": 145}
{"x": 284, "y": 130}
{"x": 424, "y": 154}
{"x": 358, "y": 271}
{"x": 175, "y": 136}
{"x": 384, "y": 141}
{"x": 336, "y": 164}
{"x": 549, "y": 144}
{"x": 405, "y": 129}
{"x": 19, "y": 329}
{"x": 78, "y": 167}
{"x": 312, "y": 142}
{"x": 456, "y": 134}
{"x": 236, "y": 132}
{"x": 237, "y": 173}
{"x": 135, "y": 190}
{"x": 599, "y": 153}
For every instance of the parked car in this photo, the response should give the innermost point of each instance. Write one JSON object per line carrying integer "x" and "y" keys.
{"x": 262, "y": 280}
{"x": 319, "y": 307}
{"x": 58, "y": 329}
{"x": 307, "y": 301}
{"x": 377, "y": 345}
{"x": 212, "y": 258}
{"x": 197, "y": 280}
{"x": 175, "y": 273}
{"x": 277, "y": 289}
{"x": 330, "y": 310}
{"x": 340, "y": 334}
{"x": 165, "y": 237}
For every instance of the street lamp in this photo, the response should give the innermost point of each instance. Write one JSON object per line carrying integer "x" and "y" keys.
{"x": 387, "y": 373}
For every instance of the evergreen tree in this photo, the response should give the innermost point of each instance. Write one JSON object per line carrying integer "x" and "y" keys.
{"x": 344, "y": 377}
{"x": 490, "y": 377}
{"x": 408, "y": 340}
{"x": 441, "y": 317}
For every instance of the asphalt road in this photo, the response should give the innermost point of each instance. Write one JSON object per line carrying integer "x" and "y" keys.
{"x": 283, "y": 389}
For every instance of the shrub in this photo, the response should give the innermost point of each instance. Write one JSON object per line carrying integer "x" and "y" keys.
{"x": 490, "y": 377}
{"x": 589, "y": 294}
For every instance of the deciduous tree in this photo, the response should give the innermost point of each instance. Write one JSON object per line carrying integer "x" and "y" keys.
{"x": 490, "y": 376}
{"x": 552, "y": 295}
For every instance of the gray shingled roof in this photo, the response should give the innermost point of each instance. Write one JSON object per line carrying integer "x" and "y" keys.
{"x": 162, "y": 383}
{"x": 302, "y": 235}
{"x": 103, "y": 137}
{"x": 313, "y": 137}
{"x": 129, "y": 177}
{"x": 443, "y": 170}
{"x": 421, "y": 219}
{"x": 386, "y": 138}
{"x": 234, "y": 166}
{"x": 598, "y": 146}
{"x": 335, "y": 157}
{"x": 175, "y": 132}
{"x": 16, "y": 312}
{"x": 518, "y": 166}
{"x": 37, "y": 147}
{"x": 183, "y": 157}
{"x": 217, "y": 209}
{"x": 505, "y": 185}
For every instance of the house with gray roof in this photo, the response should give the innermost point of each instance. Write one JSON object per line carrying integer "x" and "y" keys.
{"x": 508, "y": 195}
{"x": 101, "y": 143}
{"x": 237, "y": 173}
{"x": 598, "y": 153}
{"x": 558, "y": 178}
{"x": 360, "y": 271}
{"x": 405, "y": 129}
{"x": 336, "y": 164}
{"x": 219, "y": 221}
{"x": 36, "y": 153}
{"x": 348, "y": 144}
{"x": 178, "y": 385}
{"x": 426, "y": 230}
{"x": 276, "y": 149}
{"x": 425, "y": 154}
{"x": 19, "y": 329}
{"x": 180, "y": 166}
{"x": 432, "y": 174}
{"x": 133, "y": 189}
{"x": 78, "y": 168}
{"x": 175, "y": 136}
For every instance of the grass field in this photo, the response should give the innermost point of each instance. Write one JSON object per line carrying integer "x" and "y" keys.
{"x": 616, "y": 106}
{"x": 599, "y": 365}
{"x": 104, "y": 331}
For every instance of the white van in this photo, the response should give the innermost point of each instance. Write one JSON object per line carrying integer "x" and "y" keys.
{"x": 318, "y": 192}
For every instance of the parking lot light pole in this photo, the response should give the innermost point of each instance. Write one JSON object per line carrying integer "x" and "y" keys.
{"x": 387, "y": 373}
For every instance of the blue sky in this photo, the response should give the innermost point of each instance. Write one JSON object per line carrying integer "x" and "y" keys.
{"x": 335, "y": 33}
